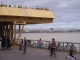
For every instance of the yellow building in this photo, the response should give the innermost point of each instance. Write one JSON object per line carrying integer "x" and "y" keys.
{"x": 20, "y": 16}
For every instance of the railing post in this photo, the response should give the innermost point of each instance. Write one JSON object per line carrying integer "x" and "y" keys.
{"x": 79, "y": 47}
{"x": 63, "y": 46}
{"x": 49, "y": 45}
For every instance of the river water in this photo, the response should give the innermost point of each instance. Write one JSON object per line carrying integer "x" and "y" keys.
{"x": 63, "y": 37}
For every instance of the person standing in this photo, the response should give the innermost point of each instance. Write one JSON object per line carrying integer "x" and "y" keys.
{"x": 24, "y": 46}
{"x": 8, "y": 43}
{"x": 52, "y": 47}
{"x": 20, "y": 44}
{"x": 39, "y": 43}
{"x": 3, "y": 42}
{"x": 71, "y": 55}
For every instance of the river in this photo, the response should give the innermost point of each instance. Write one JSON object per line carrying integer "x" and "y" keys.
{"x": 63, "y": 37}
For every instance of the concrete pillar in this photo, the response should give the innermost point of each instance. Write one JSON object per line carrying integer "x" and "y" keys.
{"x": 19, "y": 27}
{"x": 14, "y": 33}
{"x": 9, "y": 27}
{"x": 4, "y": 30}
{"x": 20, "y": 33}
{"x": 7, "y": 30}
{"x": 0, "y": 29}
{"x": 11, "y": 32}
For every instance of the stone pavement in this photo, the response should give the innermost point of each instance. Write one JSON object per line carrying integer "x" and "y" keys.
{"x": 31, "y": 54}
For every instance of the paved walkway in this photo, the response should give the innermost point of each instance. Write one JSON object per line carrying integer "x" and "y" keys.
{"x": 31, "y": 54}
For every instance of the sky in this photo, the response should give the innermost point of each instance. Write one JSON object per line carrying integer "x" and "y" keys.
{"x": 67, "y": 12}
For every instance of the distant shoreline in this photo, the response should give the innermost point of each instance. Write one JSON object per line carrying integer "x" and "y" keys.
{"x": 48, "y": 32}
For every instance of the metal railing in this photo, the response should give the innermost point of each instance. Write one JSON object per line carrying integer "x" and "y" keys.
{"x": 61, "y": 46}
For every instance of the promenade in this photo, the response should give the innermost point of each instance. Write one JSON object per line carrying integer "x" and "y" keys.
{"x": 31, "y": 54}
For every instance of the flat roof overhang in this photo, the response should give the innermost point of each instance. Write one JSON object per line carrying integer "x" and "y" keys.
{"x": 24, "y": 20}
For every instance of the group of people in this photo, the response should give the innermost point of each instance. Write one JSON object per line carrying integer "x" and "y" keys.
{"x": 20, "y": 6}
{"x": 70, "y": 56}
{"x": 23, "y": 43}
{"x": 5, "y": 42}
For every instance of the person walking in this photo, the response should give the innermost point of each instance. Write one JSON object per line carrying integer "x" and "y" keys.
{"x": 52, "y": 47}
{"x": 71, "y": 55}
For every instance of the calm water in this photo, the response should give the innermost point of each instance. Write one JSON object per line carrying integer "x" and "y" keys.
{"x": 64, "y": 37}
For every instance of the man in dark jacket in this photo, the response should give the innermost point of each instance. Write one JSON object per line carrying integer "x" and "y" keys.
{"x": 8, "y": 43}
{"x": 53, "y": 47}
{"x": 24, "y": 46}
{"x": 3, "y": 42}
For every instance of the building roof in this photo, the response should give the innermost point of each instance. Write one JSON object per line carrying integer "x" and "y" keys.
{"x": 9, "y": 11}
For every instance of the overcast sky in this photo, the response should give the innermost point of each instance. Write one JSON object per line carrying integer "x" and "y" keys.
{"x": 67, "y": 12}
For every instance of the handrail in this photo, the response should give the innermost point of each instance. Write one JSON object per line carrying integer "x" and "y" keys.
{"x": 56, "y": 41}
{"x": 60, "y": 47}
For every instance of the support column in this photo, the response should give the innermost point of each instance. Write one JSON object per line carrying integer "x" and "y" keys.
{"x": 14, "y": 41}
{"x": 20, "y": 33}
{"x": 3, "y": 30}
{"x": 19, "y": 27}
{"x": 0, "y": 29}
{"x": 7, "y": 30}
{"x": 11, "y": 32}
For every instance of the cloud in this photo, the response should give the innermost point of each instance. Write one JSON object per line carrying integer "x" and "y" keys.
{"x": 55, "y": 25}
{"x": 35, "y": 3}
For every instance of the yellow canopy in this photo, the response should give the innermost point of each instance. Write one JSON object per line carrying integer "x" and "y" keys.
{"x": 9, "y": 11}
